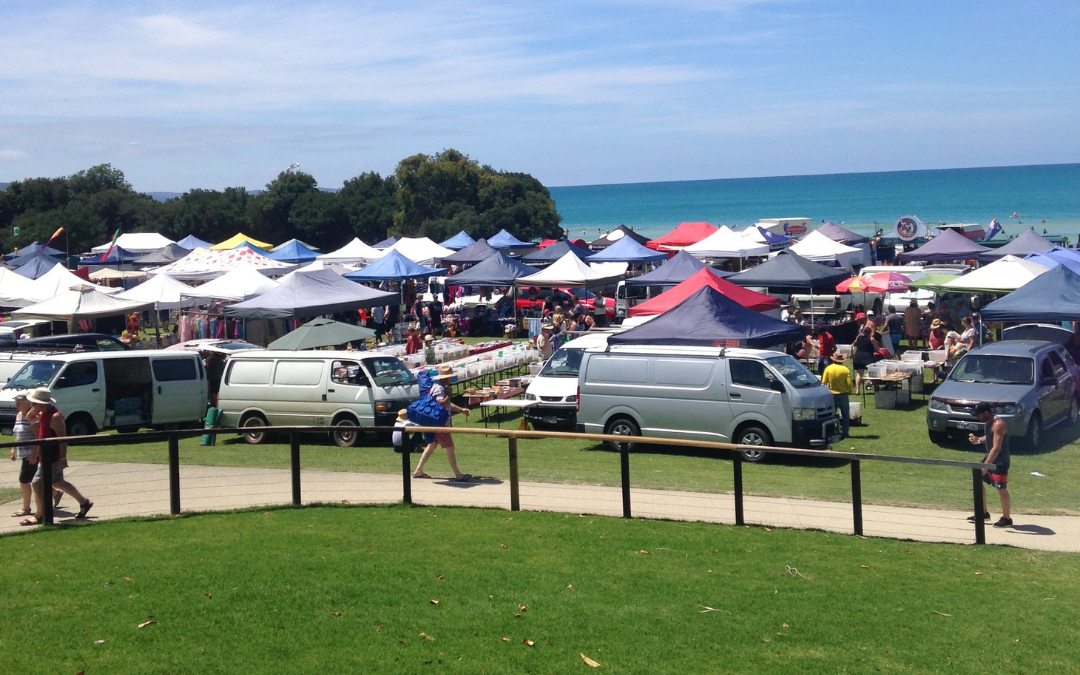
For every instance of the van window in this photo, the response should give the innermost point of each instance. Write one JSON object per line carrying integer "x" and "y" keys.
{"x": 683, "y": 372}
{"x": 78, "y": 374}
{"x": 564, "y": 363}
{"x": 348, "y": 372}
{"x": 34, "y": 374}
{"x": 1059, "y": 365}
{"x": 389, "y": 371}
{"x": 618, "y": 369}
{"x": 750, "y": 373}
{"x": 299, "y": 373}
{"x": 794, "y": 372}
{"x": 250, "y": 372}
{"x": 173, "y": 370}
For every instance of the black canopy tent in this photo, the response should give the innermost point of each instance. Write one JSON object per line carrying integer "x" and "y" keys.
{"x": 678, "y": 269}
{"x": 1022, "y": 246}
{"x": 302, "y": 295}
{"x": 949, "y": 246}
{"x": 789, "y": 272}
{"x": 474, "y": 253}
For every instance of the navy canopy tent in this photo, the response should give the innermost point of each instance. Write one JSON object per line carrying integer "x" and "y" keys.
{"x": 163, "y": 256}
{"x": 681, "y": 267}
{"x": 191, "y": 242}
{"x": 841, "y": 234}
{"x": 458, "y": 241}
{"x": 627, "y": 250}
{"x": 1027, "y": 243}
{"x": 306, "y": 294}
{"x": 708, "y": 318}
{"x": 385, "y": 243}
{"x": 789, "y": 272}
{"x": 473, "y": 253}
{"x": 292, "y": 251}
{"x": 117, "y": 256}
{"x": 36, "y": 266}
{"x": 550, "y": 254}
{"x": 504, "y": 241}
{"x": 618, "y": 234}
{"x": 498, "y": 270}
{"x": 33, "y": 249}
{"x": 394, "y": 267}
{"x": 1050, "y": 297}
{"x": 949, "y": 246}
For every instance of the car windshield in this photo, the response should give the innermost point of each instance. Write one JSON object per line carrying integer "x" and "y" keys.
{"x": 986, "y": 369}
{"x": 34, "y": 374}
{"x": 387, "y": 371}
{"x": 793, "y": 371}
{"x": 564, "y": 363}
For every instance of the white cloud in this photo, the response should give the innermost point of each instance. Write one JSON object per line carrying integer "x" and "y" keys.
{"x": 12, "y": 155}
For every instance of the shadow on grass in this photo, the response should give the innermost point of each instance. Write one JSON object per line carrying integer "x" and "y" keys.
{"x": 726, "y": 455}
{"x": 1053, "y": 439}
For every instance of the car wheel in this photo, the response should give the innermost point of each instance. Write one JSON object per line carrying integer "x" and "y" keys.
{"x": 622, "y": 426}
{"x": 753, "y": 435}
{"x": 939, "y": 437}
{"x": 253, "y": 422}
{"x": 81, "y": 425}
{"x": 345, "y": 433}
{"x": 1034, "y": 432}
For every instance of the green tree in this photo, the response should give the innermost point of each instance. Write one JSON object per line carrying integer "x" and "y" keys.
{"x": 369, "y": 202}
{"x": 269, "y": 213}
{"x": 208, "y": 214}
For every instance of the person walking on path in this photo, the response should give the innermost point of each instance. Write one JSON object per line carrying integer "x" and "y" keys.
{"x": 913, "y": 324}
{"x": 996, "y": 441}
{"x": 24, "y": 431}
{"x": 50, "y": 425}
{"x": 442, "y": 396}
{"x": 838, "y": 379}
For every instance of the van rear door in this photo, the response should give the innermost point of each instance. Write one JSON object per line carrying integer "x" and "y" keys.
{"x": 179, "y": 390}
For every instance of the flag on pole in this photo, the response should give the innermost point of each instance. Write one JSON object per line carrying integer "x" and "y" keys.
{"x": 54, "y": 236}
{"x": 112, "y": 243}
{"x": 995, "y": 228}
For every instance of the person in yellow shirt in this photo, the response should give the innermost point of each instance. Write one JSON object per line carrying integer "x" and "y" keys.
{"x": 837, "y": 378}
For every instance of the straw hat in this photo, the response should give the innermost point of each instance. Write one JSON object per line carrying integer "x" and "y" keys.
{"x": 445, "y": 372}
{"x": 837, "y": 358}
{"x": 429, "y": 338}
{"x": 935, "y": 324}
{"x": 41, "y": 395}
{"x": 402, "y": 415}
{"x": 546, "y": 326}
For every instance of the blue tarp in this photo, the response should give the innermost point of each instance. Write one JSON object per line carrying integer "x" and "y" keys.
{"x": 36, "y": 266}
{"x": 292, "y": 251}
{"x": 675, "y": 271}
{"x": 546, "y": 256}
{"x": 385, "y": 243}
{"x": 790, "y": 272}
{"x": 1050, "y": 297}
{"x": 191, "y": 242}
{"x": 458, "y": 241}
{"x": 497, "y": 270}
{"x": 1029, "y": 241}
{"x": 306, "y": 294}
{"x": 394, "y": 267}
{"x": 627, "y": 250}
{"x": 471, "y": 254}
{"x": 504, "y": 241}
{"x": 708, "y": 318}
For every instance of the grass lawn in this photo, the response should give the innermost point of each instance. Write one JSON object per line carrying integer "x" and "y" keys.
{"x": 334, "y": 589}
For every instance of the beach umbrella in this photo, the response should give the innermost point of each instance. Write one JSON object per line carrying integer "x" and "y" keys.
{"x": 321, "y": 333}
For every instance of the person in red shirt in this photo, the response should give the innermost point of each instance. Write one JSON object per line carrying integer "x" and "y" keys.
{"x": 826, "y": 346}
{"x": 413, "y": 343}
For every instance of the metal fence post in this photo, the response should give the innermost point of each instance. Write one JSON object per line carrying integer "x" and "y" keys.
{"x": 980, "y": 505}
{"x": 856, "y": 495}
{"x": 46, "y": 451}
{"x": 406, "y": 467}
{"x": 174, "y": 474}
{"x": 294, "y": 464}
{"x": 515, "y": 494}
{"x": 740, "y": 518}
{"x": 624, "y": 457}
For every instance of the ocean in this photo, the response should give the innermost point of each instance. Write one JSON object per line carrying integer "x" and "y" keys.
{"x": 1045, "y": 197}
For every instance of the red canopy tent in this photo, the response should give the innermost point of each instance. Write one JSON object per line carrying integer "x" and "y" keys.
{"x": 759, "y": 302}
{"x": 682, "y": 236}
{"x": 580, "y": 243}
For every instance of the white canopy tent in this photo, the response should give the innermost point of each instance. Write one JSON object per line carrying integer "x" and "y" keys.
{"x": 1001, "y": 276}
{"x": 240, "y": 284}
{"x": 324, "y": 265}
{"x": 610, "y": 268}
{"x": 137, "y": 242}
{"x": 13, "y": 288}
{"x": 421, "y": 250}
{"x": 49, "y": 285}
{"x": 82, "y": 301}
{"x": 204, "y": 264}
{"x": 163, "y": 291}
{"x": 354, "y": 252}
{"x": 107, "y": 273}
{"x": 819, "y": 248}
{"x": 726, "y": 243}
{"x": 568, "y": 271}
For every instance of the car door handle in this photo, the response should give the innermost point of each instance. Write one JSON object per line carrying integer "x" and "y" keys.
{"x": 330, "y": 391}
{"x": 95, "y": 390}
{"x": 734, "y": 395}
{"x": 159, "y": 389}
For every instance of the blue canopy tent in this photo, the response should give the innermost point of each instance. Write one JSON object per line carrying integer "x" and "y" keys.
{"x": 681, "y": 267}
{"x": 385, "y": 243}
{"x": 292, "y": 251}
{"x": 498, "y": 270}
{"x": 394, "y": 267}
{"x": 708, "y": 318}
{"x": 191, "y": 242}
{"x": 117, "y": 256}
{"x": 476, "y": 252}
{"x": 31, "y": 250}
{"x": 1050, "y": 297}
{"x": 36, "y": 266}
{"x": 458, "y": 241}
{"x": 626, "y": 250}
{"x": 546, "y": 256}
{"x": 504, "y": 241}
{"x": 1051, "y": 260}
{"x": 306, "y": 294}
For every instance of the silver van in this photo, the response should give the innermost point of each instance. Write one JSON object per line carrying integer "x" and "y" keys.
{"x": 340, "y": 389}
{"x": 124, "y": 390}
{"x": 743, "y": 396}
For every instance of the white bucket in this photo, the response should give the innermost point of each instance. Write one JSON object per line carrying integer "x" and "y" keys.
{"x": 855, "y": 408}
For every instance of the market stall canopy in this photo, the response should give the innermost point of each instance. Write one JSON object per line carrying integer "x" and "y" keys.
{"x": 710, "y": 319}
{"x": 567, "y": 272}
{"x": 191, "y": 242}
{"x": 136, "y": 242}
{"x": 1053, "y": 296}
{"x": 1029, "y": 241}
{"x": 164, "y": 256}
{"x": 354, "y": 252}
{"x": 618, "y": 234}
{"x": 52, "y": 283}
{"x": 324, "y": 265}
{"x": 33, "y": 249}
{"x": 117, "y": 256}
{"x": 385, "y": 243}
{"x": 292, "y": 251}
{"x": 497, "y": 270}
{"x": 932, "y": 282}
{"x": 790, "y": 272}
{"x": 841, "y": 234}
{"x": 819, "y": 248}
{"x": 420, "y": 250}
{"x": 759, "y": 302}
{"x": 36, "y": 267}
{"x": 321, "y": 333}
{"x": 109, "y": 274}
{"x": 163, "y": 291}
{"x": 313, "y": 294}
{"x": 1002, "y": 276}
{"x": 290, "y": 242}
{"x": 12, "y": 286}
{"x": 559, "y": 249}
{"x": 725, "y": 243}
{"x": 472, "y": 254}
{"x": 394, "y": 267}
{"x": 1066, "y": 257}
{"x": 504, "y": 241}
{"x": 203, "y": 264}
{"x": 238, "y": 239}
{"x": 948, "y": 246}
{"x": 458, "y": 241}
{"x": 241, "y": 283}
{"x": 612, "y": 269}
{"x": 675, "y": 271}
{"x": 81, "y": 301}
{"x": 682, "y": 236}
{"x": 627, "y": 250}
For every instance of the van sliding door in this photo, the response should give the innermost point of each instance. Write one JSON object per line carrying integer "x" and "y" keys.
{"x": 129, "y": 398}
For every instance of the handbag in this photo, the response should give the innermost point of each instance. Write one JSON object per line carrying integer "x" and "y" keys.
{"x": 427, "y": 412}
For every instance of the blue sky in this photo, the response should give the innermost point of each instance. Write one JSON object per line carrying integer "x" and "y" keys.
{"x": 212, "y": 94}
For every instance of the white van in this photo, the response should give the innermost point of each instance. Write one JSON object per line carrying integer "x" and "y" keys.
{"x": 742, "y": 396}
{"x": 114, "y": 390}
{"x": 555, "y": 386}
{"x": 341, "y": 389}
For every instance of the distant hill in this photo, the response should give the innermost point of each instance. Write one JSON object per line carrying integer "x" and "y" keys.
{"x": 3, "y": 186}
{"x": 163, "y": 196}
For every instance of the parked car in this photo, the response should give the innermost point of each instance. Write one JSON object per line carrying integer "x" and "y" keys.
{"x": 570, "y": 295}
{"x": 1031, "y": 384}
{"x": 85, "y": 342}
{"x": 555, "y": 387}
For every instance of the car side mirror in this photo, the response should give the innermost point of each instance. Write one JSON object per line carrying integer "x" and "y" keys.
{"x": 777, "y": 385}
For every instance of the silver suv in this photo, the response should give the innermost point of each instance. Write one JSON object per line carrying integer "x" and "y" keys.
{"x": 1031, "y": 384}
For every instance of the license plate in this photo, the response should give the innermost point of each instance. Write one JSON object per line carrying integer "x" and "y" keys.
{"x": 835, "y": 438}
{"x": 551, "y": 420}
{"x": 970, "y": 426}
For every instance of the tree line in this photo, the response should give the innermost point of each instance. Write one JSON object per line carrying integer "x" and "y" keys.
{"x": 431, "y": 196}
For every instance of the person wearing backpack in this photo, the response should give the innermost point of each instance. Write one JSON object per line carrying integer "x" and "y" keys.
{"x": 441, "y": 395}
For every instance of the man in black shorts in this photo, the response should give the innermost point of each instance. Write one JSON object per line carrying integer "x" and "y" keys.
{"x": 996, "y": 440}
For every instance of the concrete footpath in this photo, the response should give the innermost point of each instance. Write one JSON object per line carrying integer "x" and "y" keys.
{"x": 120, "y": 490}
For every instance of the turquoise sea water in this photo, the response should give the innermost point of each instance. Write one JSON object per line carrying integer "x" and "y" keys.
{"x": 1045, "y": 197}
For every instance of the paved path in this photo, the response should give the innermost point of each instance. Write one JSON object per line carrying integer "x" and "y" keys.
{"x": 143, "y": 489}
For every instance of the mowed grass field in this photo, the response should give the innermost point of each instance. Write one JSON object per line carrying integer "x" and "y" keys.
{"x": 414, "y": 590}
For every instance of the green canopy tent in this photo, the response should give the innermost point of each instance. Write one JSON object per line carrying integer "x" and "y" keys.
{"x": 321, "y": 333}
